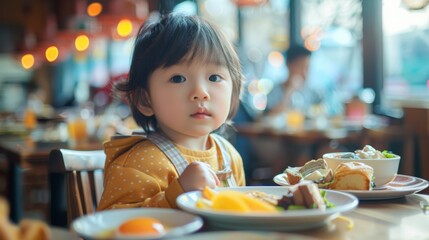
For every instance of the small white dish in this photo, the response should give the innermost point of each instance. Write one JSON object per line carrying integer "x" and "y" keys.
{"x": 283, "y": 221}
{"x": 401, "y": 186}
{"x": 102, "y": 225}
{"x": 385, "y": 169}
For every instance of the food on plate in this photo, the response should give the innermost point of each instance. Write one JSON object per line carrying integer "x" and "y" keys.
{"x": 268, "y": 198}
{"x": 26, "y": 230}
{"x": 141, "y": 227}
{"x": 314, "y": 170}
{"x": 368, "y": 152}
{"x": 232, "y": 201}
{"x": 304, "y": 195}
{"x": 353, "y": 176}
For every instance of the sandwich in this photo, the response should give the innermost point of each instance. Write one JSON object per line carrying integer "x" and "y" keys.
{"x": 304, "y": 195}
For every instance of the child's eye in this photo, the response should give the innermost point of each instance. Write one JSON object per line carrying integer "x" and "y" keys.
{"x": 178, "y": 79}
{"x": 215, "y": 78}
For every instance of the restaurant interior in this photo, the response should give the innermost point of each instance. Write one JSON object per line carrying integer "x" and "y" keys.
{"x": 369, "y": 72}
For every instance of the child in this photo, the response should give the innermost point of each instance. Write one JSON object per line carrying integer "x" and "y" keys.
{"x": 184, "y": 83}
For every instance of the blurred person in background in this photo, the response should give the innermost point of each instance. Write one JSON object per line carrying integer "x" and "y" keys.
{"x": 293, "y": 92}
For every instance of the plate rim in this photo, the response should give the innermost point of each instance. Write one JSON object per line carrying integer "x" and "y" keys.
{"x": 194, "y": 225}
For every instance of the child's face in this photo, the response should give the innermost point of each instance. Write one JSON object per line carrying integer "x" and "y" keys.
{"x": 190, "y": 99}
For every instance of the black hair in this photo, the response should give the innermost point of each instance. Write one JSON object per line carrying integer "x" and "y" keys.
{"x": 172, "y": 39}
{"x": 295, "y": 52}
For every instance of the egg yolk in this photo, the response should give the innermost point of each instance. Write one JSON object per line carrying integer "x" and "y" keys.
{"x": 142, "y": 226}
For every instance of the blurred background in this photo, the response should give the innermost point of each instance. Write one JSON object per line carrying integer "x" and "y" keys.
{"x": 67, "y": 53}
{"x": 58, "y": 60}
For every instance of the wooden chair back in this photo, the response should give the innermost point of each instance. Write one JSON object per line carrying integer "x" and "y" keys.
{"x": 76, "y": 183}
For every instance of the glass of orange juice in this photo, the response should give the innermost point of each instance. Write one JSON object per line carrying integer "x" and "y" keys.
{"x": 29, "y": 119}
{"x": 77, "y": 129}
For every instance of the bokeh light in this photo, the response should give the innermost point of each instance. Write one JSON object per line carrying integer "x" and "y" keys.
{"x": 124, "y": 28}
{"x": 51, "y": 53}
{"x": 81, "y": 43}
{"x": 276, "y": 59}
{"x": 94, "y": 9}
{"x": 27, "y": 61}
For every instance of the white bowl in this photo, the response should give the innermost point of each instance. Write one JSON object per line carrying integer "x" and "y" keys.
{"x": 385, "y": 169}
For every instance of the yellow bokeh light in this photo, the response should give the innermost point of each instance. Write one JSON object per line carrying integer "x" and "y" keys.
{"x": 81, "y": 43}
{"x": 94, "y": 9}
{"x": 124, "y": 28}
{"x": 27, "y": 61}
{"x": 51, "y": 53}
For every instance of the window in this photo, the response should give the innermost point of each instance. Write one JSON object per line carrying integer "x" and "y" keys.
{"x": 406, "y": 49}
{"x": 333, "y": 29}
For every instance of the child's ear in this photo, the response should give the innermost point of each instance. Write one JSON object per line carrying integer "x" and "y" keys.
{"x": 145, "y": 110}
{"x": 144, "y": 106}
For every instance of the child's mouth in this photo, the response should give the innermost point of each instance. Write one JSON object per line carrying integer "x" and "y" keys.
{"x": 201, "y": 114}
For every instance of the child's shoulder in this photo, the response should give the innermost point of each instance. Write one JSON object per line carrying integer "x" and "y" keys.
{"x": 127, "y": 143}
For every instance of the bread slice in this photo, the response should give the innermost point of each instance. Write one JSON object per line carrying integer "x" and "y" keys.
{"x": 353, "y": 176}
{"x": 312, "y": 166}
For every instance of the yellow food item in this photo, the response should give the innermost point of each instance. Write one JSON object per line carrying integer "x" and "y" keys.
{"x": 350, "y": 223}
{"x": 208, "y": 193}
{"x": 203, "y": 203}
{"x": 141, "y": 226}
{"x": 230, "y": 201}
{"x": 234, "y": 201}
{"x": 257, "y": 205}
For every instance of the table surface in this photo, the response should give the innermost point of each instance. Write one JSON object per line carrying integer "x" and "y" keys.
{"x": 23, "y": 148}
{"x": 63, "y": 234}
{"x": 400, "y": 218}
{"x": 303, "y": 135}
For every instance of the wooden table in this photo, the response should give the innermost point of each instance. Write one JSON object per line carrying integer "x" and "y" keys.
{"x": 305, "y": 136}
{"x": 27, "y": 168}
{"x": 400, "y": 219}
{"x": 298, "y": 147}
{"x": 387, "y": 219}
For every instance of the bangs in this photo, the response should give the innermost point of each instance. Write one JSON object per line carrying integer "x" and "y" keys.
{"x": 205, "y": 49}
{"x": 191, "y": 41}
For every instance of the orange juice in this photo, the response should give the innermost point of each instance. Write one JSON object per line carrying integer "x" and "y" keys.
{"x": 29, "y": 119}
{"x": 77, "y": 129}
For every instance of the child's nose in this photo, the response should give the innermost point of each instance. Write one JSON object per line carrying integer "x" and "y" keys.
{"x": 200, "y": 93}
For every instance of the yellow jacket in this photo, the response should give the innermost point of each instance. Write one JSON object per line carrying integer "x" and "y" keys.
{"x": 138, "y": 174}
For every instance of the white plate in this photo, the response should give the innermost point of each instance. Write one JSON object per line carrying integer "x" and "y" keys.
{"x": 93, "y": 226}
{"x": 402, "y": 185}
{"x": 282, "y": 221}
